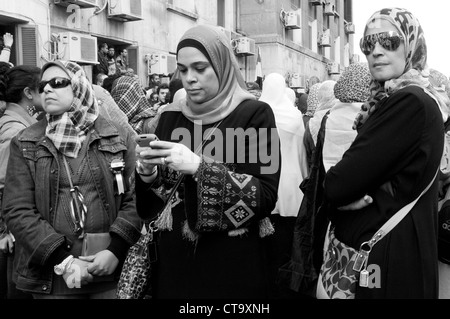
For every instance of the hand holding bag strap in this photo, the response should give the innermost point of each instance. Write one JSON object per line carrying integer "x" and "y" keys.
{"x": 394, "y": 220}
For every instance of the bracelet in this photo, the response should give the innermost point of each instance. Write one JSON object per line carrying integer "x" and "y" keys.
{"x": 155, "y": 169}
{"x": 7, "y": 48}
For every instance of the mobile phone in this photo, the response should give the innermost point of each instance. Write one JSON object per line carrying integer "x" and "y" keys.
{"x": 144, "y": 140}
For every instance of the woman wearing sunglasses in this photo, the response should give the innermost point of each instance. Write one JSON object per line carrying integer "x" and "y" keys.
{"x": 63, "y": 183}
{"x": 394, "y": 158}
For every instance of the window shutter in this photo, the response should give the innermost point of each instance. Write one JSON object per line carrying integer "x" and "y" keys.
{"x": 133, "y": 58}
{"x": 28, "y": 53}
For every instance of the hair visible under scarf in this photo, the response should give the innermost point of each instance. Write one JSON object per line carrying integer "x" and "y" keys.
{"x": 353, "y": 86}
{"x": 232, "y": 88}
{"x": 130, "y": 98}
{"x": 68, "y": 130}
{"x": 313, "y": 100}
{"x": 416, "y": 71}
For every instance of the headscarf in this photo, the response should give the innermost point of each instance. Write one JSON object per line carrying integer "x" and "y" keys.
{"x": 440, "y": 82}
{"x": 274, "y": 94}
{"x": 313, "y": 100}
{"x": 325, "y": 95}
{"x": 274, "y": 90}
{"x": 130, "y": 98}
{"x": 291, "y": 96}
{"x": 212, "y": 42}
{"x": 68, "y": 130}
{"x": 416, "y": 70}
{"x": 354, "y": 84}
{"x": 327, "y": 100}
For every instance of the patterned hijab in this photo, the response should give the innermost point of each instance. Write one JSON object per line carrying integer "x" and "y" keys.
{"x": 440, "y": 82}
{"x": 353, "y": 86}
{"x": 313, "y": 100}
{"x": 212, "y": 42}
{"x": 416, "y": 71}
{"x": 68, "y": 130}
{"x": 130, "y": 98}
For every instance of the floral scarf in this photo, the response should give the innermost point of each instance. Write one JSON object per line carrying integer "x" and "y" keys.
{"x": 416, "y": 70}
{"x": 68, "y": 130}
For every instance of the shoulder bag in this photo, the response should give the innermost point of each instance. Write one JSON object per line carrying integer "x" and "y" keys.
{"x": 344, "y": 267}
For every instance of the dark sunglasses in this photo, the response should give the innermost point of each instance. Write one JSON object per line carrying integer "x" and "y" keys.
{"x": 390, "y": 41}
{"x": 55, "y": 83}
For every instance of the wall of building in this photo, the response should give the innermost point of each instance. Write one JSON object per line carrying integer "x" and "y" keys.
{"x": 165, "y": 21}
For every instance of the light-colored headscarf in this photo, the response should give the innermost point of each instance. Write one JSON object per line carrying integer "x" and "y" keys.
{"x": 232, "y": 87}
{"x": 291, "y": 96}
{"x": 327, "y": 100}
{"x": 416, "y": 70}
{"x": 68, "y": 130}
{"x": 130, "y": 98}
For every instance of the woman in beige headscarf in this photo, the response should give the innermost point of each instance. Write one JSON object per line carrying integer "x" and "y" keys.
{"x": 210, "y": 242}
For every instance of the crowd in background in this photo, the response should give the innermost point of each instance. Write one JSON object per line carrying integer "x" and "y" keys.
{"x": 350, "y": 152}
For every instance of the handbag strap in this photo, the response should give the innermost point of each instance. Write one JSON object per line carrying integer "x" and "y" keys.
{"x": 394, "y": 220}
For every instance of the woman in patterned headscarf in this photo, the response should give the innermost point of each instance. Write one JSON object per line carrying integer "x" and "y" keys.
{"x": 67, "y": 177}
{"x": 393, "y": 159}
{"x": 210, "y": 243}
{"x": 313, "y": 100}
{"x": 130, "y": 98}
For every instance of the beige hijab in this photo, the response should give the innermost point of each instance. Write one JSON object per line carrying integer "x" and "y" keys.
{"x": 232, "y": 88}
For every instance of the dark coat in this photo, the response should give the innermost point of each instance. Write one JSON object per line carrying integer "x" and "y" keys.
{"x": 393, "y": 159}
{"x": 217, "y": 266}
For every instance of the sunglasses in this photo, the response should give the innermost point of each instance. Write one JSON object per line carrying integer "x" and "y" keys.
{"x": 390, "y": 41}
{"x": 55, "y": 83}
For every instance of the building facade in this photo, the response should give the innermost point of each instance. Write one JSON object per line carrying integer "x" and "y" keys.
{"x": 297, "y": 38}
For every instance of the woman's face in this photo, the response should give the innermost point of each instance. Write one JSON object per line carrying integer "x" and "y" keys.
{"x": 56, "y": 101}
{"x": 384, "y": 64}
{"x": 197, "y": 74}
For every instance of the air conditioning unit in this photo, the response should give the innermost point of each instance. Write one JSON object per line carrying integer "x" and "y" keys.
{"x": 329, "y": 9}
{"x": 316, "y": 2}
{"x": 77, "y": 47}
{"x": 81, "y": 3}
{"x": 325, "y": 38}
{"x": 296, "y": 81}
{"x": 158, "y": 63}
{"x": 333, "y": 68}
{"x": 349, "y": 28}
{"x": 125, "y": 10}
{"x": 244, "y": 46}
{"x": 293, "y": 20}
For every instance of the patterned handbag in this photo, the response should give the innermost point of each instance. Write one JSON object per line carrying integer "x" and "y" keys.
{"x": 134, "y": 280}
{"x": 344, "y": 267}
{"x": 339, "y": 279}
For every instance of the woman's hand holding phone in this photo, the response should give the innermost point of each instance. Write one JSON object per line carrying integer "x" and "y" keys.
{"x": 150, "y": 151}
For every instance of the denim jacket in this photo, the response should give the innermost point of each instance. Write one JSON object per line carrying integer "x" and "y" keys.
{"x": 31, "y": 196}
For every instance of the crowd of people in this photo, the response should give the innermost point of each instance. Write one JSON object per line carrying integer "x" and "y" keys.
{"x": 248, "y": 184}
